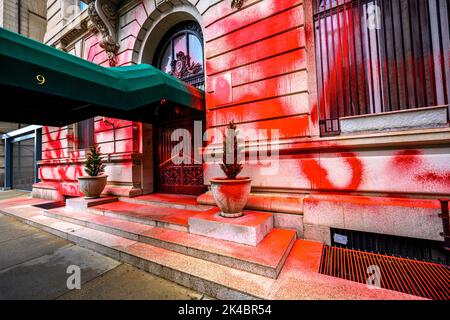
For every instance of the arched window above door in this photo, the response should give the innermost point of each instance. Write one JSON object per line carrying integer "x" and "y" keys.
{"x": 180, "y": 53}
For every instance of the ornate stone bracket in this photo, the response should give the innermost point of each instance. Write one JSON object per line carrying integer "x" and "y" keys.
{"x": 104, "y": 15}
{"x": 237, "y": 4}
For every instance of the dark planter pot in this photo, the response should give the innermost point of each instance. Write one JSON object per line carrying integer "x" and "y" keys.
{"x": 92, "y": 187}
{"x": 231, "y": 195}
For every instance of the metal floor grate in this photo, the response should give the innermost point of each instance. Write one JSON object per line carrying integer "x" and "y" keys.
{"x": 424, "y": 279}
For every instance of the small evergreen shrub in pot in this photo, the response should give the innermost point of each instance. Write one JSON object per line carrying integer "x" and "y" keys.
{"x": 93, "y": 184}
{"x": 230, "y": 192}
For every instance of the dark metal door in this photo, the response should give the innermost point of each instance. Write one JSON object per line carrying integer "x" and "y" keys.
{"x": 177, "y": 178}
{"x": 23, "y": 164}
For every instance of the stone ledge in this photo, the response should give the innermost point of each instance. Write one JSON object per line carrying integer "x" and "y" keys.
{"x": 404, "y": 217}
{"x": 109, "y": 158}
{"x": 122, "y": 191}
{"x": 83, "y": 204}
{"x": 58, "y": 190}
{"x": 371, "y": 140}
{"x": 433, "y": 117}
{"x": 47, "y": 191}
{"x": 280, "y": 203}
{"x": 249, "y": 229}
{"x": 289, "y": 221}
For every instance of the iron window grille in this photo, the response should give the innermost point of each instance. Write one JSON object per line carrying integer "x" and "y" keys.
{"x": 377, "y": 56}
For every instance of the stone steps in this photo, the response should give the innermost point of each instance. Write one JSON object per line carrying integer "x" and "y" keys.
{"x": 210, "y": 278}
{"x": 298, "y": 279}
{"x": 148, "y": 214}
{"x": 183, "y": 202}
{"x": 266, "y": 259}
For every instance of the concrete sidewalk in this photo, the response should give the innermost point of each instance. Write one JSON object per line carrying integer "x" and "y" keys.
{"x": 33, "y": 265}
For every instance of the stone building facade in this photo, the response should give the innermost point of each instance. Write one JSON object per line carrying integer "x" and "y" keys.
{"x": 33, "y": 24}
{"x": 33, "y": 17}
{"x": 277, "y": 65}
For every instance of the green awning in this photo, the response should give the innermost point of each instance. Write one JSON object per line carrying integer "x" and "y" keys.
{"x": 43, "y": 85}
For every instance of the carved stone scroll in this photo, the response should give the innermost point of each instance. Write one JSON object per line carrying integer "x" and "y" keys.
{"x": 104, "y": 15}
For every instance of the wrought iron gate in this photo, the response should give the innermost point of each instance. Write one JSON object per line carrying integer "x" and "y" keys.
{"x": 177, "y": 178}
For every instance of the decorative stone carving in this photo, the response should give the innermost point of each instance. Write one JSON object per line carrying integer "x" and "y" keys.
{"x": 182, "y": 67}
{"x": 104, "y": 16}
{"x": 237, "y": 4}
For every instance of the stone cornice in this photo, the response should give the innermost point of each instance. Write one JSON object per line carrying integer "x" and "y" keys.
{"x": 438, "y": 137}
{"x": 104, "y": 15}
{"x": 72, "y": 31}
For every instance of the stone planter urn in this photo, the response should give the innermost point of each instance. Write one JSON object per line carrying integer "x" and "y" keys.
{"x": 93, "y": 184}
{"x": 231, "y": 195}
{"x": 92, "y": 187}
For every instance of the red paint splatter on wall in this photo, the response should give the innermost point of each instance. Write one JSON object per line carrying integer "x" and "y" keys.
{"x": 318, "y": 175}
{"x": 54, "y": 150}
{"x": 407, "y": 158}
{"x": 413, "y": 161}
{"x": 434, "y": 177}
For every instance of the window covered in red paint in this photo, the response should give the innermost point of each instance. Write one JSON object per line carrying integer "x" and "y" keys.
{"x": 85, "y": 133}
{"x": 379, "y": 56}
{"x": 180, "y": 53}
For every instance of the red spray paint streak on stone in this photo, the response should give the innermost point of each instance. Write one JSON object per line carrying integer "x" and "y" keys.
{"x": 318, "y": 175}
{"x": 74, "y": 154}
{"x": 311, "y": 168}
{"x": 314, "y": 171}
{"x": 407, "y": 159}
{"x": 59, "y": 172}
{"x": 254, "y": 84}
{"x": 433, "y": 177}
{"x": 411, "y": 160}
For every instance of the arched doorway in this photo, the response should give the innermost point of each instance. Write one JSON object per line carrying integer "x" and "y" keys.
{"x": 180, "y": 54}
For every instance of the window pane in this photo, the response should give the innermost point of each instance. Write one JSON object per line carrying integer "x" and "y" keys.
{"x": 180, "y": 44}
{"x": 83, "y": 5}
{"x": 166, "y": 59}
{"x": 195, "y": 50}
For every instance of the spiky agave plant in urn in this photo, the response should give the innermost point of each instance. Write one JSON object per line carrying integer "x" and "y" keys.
{"x": 93, "y": 184}
{"x": 230, "y": 192}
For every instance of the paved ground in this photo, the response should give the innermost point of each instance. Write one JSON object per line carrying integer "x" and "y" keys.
{"x": 33, "y": 265}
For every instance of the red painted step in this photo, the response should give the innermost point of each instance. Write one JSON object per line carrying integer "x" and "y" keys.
{"x": 149, "y": 214}
{"x": 177, "y": 201}
{"x": 266, "y": 259}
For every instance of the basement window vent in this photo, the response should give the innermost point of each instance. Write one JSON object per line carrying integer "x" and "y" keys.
{"x": 402, "y": 247}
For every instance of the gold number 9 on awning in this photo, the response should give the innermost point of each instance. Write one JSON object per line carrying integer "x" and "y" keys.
{"x": 40, "y": 79}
